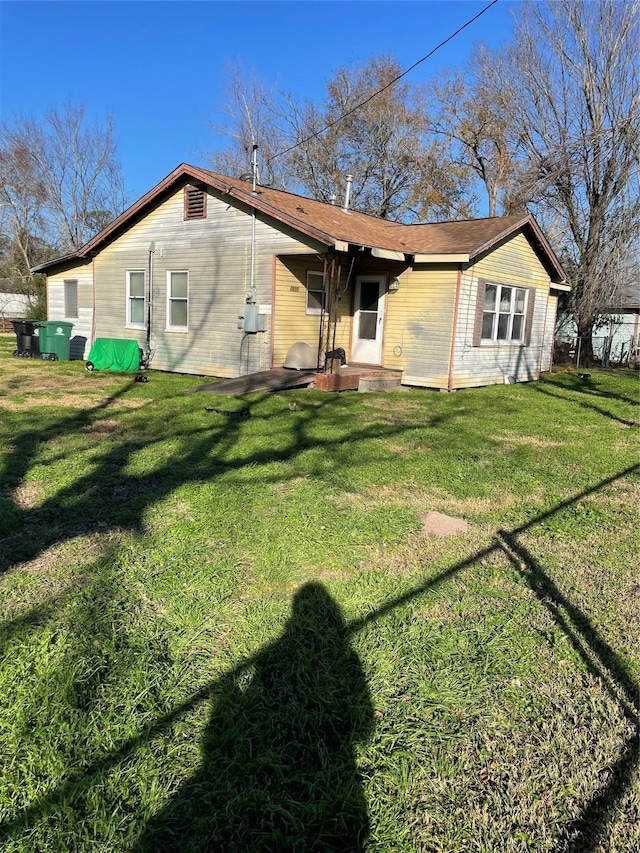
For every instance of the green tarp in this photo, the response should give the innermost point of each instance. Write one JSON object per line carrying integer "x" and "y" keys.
{"x": 114, "y": 354}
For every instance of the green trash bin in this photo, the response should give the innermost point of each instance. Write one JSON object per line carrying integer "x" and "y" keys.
{"x": 54, "y": 337}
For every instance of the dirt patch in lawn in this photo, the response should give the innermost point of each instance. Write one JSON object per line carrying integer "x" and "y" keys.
{"x": 28, "y": 495}
{"x": 515, "y": 439}
{"x": 433, "y": 498}
{"x": 64, "y": 401}
{"x": 439, "y": 524}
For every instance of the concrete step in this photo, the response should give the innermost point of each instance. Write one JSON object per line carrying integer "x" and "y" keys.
{"x": 387, "y": 382}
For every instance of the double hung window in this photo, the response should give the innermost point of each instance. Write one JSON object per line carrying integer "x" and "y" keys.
{"x": 178, "y": 300}
{"x": 315, "y": 292}
{"x": 135, "y": 298}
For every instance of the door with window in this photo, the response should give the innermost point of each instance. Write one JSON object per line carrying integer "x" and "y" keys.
{"x": 368, "y": 319}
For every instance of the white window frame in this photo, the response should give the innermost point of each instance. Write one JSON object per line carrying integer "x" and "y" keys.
{"x": 171, "y": 299}
{"x": 131, "y": 298}
{"x": 509, "y": 338}
{"x": 312, "y": 310}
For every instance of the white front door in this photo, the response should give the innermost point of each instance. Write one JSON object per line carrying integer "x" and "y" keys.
{"x": 368, "y": 316}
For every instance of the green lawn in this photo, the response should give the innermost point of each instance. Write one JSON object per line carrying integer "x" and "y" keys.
{"x": 235, "y": 634}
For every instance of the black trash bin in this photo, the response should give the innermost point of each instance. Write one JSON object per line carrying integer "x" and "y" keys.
{"x": 27, "y": 343}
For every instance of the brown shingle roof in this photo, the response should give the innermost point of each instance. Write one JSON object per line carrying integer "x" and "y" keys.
{"x": 331, "y": 225}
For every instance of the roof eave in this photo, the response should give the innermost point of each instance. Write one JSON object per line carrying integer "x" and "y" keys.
{"x": 178, "y": 174}
{"x": 526, "y": 221}
{"x": 54, "y": 262}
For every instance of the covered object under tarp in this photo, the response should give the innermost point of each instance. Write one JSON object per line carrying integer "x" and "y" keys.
{"x": 114, "y": 354}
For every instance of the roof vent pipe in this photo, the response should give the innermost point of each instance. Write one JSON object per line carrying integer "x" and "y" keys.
{"x": 254, "y": 168}
{"x": 332, "y": 198}
{"x": 347, "y": 194}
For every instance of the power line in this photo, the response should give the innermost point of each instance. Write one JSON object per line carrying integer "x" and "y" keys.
{"x": 387, "y": 86}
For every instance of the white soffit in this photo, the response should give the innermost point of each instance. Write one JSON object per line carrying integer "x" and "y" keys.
{"x": 565, "y": 287}
{"x": 451, "y": 258}
{"x": 341, "y": 246}
{"x": 387, "y": 254}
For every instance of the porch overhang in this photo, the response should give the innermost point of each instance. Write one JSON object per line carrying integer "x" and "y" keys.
{"x": 375, "y": 251}
{"x": 387, "y": 254}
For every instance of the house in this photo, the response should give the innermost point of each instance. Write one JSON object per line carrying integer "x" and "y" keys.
{"x": 14, "y": 304}
{"x": 615, "y": 339}
{"x": 214, "y": 278}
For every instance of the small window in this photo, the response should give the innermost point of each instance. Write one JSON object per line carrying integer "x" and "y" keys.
{"x": 195, "y": 203}
{"x": 315, "y": 291}
{"x": 178, "y": 300}
{"x": 135, "y": 298}
{"x": 502, "y": 311}
{"x": 70, "y": 298}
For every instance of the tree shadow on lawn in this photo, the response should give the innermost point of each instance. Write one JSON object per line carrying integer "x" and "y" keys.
{"x": 295, "y": 755}
{"x": 589, "y": 384}
{"x": 587, "y": 404}
{"x": 103, "y": 497}
{"x": 605, "y": 664}
{"x": 108, "y": 496}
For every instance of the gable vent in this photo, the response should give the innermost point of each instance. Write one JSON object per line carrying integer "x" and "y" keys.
{"x": 195, "y": 203}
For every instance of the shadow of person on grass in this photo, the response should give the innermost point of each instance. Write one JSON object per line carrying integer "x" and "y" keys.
{"x": 278, "y": 768}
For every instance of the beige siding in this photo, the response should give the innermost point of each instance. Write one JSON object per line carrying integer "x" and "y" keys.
{"x": 216, "y": 252}
{"x": 82, "y": 324}
{"x": 417, "y": 321}
{"x": 514, "y": 262}
{"x": 418, "y": 325}
{"x": 291, "y": 322}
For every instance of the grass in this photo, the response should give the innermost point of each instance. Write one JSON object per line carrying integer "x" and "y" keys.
{"x": 234, "y": 634}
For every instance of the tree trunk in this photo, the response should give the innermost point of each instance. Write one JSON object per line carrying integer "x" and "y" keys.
{"x": 585, "y": 345}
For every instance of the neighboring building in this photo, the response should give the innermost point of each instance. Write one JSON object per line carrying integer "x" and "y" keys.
{"x": 451, "y": 305}
{"x": 615, "y": 340}
{"x": 13, "y": 305}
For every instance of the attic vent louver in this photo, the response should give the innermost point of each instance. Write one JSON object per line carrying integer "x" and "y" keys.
{"x": 195, "y": 203}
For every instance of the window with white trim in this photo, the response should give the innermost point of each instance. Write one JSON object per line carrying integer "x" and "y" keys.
{"x": 504, "y": 313}
{"x": 315, "y": 291}
{"x": 135, "y": 299}
{"x": 177, "y": 300}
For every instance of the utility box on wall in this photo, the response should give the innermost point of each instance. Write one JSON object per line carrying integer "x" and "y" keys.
{"x": 253, "y": 321}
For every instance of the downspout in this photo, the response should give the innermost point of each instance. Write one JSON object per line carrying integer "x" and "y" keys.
{"x": 148, "y": 354}
{"x": 93, "y": 299}
{"x": 254, "y": 169}
{"x": 250, "y": 292}
{"x": 454, "y": 329}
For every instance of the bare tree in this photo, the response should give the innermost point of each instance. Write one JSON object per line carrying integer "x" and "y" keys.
{"x": 464, "y": 113}
{"x": 570, "y": 89}
{"x": 23, "y": 222}
{"x": 60, "y": 181}
{"x": 254, "y": 117}
{"x": 381, "y": 139}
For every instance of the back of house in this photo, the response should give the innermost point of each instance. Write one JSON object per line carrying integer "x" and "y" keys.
{"x": 214, "y": 277}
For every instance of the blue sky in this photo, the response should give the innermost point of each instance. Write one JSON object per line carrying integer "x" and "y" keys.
{"x": 159, "y": 67}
